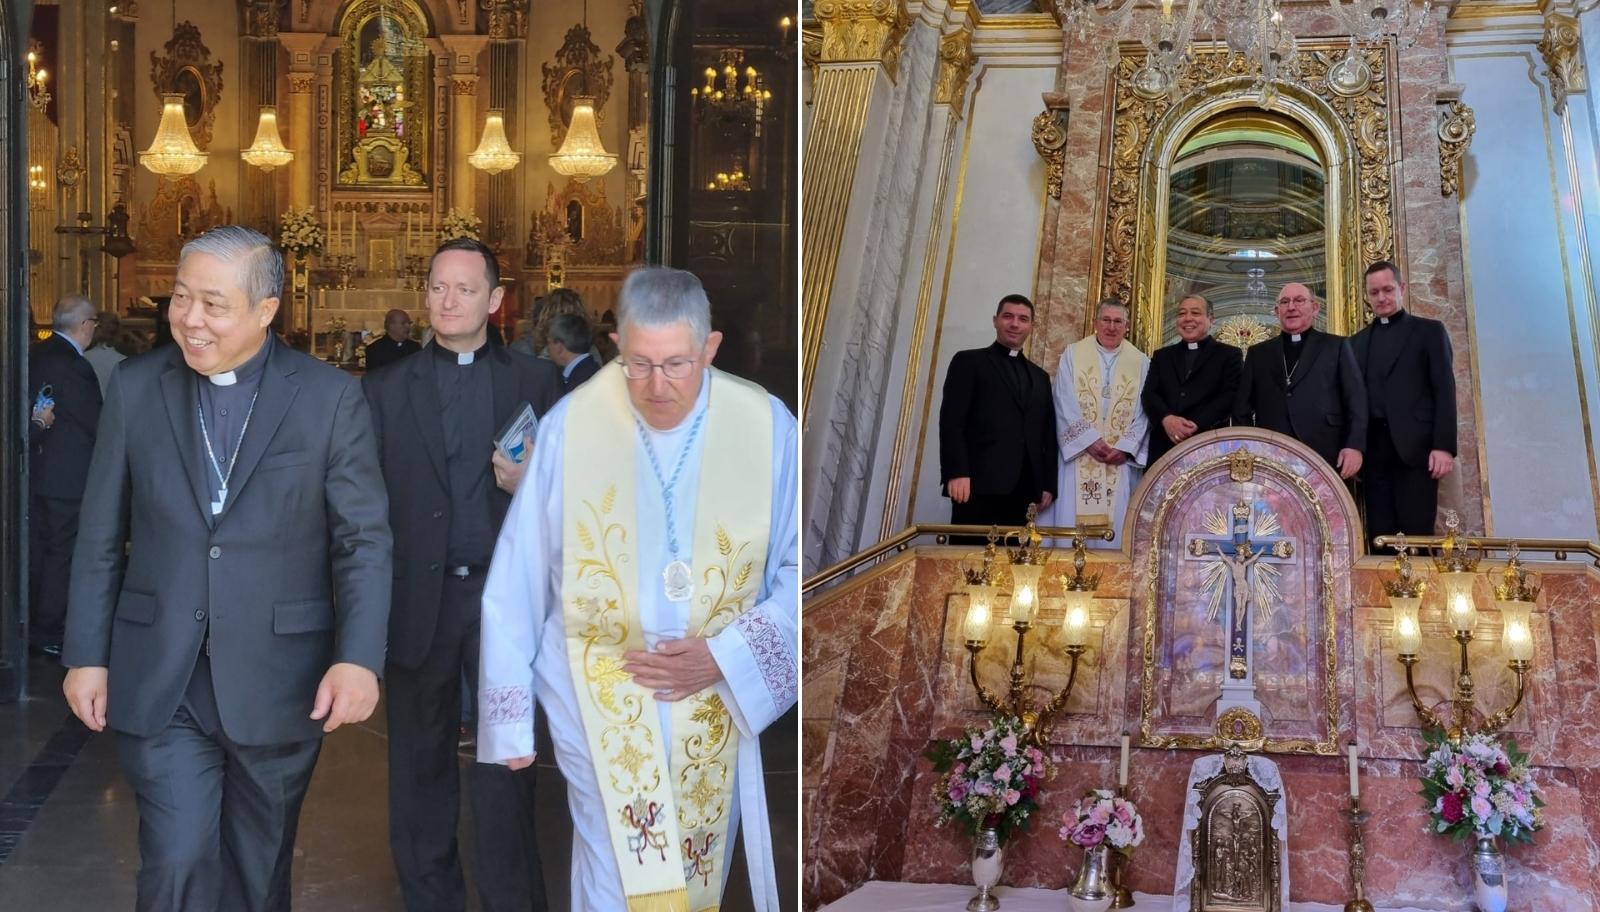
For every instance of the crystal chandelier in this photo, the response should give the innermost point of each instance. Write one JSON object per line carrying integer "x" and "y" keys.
{"x": 267, "y": 150}
{"x": 38, "y": 94}
{"x": 173, "y": 151}
{"x": 582, "y": 155}
{"x": 494, "y": 150}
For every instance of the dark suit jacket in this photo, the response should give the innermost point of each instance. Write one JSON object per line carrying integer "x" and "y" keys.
{"x": 1325, "y": 405}
{"x": 1204, "y": 396}
{"x": 1418, "y": 387}
{"x": 384, "y": 351}
{"x": 410, "y": 436}
{"x": 990, "y": 432}
{"x": 292, "y": 577}
{"x": 59, "y": 461}
{"x": 581, "y": 371}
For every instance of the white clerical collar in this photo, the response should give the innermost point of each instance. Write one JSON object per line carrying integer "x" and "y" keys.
{"x": 1295, "y": 338}
{"x": 1384, "y": 320}
{"x": 465, "y": 358}
{"x": 1193, "y": 345}
{"x": 224, "y": 378}
{"x": 1012, "y": 352}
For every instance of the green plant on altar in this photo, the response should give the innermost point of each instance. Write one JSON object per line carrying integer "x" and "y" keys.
{"x": 1480, "y": 788}
{"x": 991, "y": 777}
{"x": 458, "y": 224}
{"x": 299, "y": 232}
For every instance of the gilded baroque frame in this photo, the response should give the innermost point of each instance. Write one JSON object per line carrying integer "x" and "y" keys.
{"x": 1146, "y": 134}
{"x": 1329, "y": 745}
{"x": 418, "y": 72}
{"x": 186, "y": 54}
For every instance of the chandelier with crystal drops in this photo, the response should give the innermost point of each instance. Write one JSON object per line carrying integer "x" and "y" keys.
{"x": 494, "y": 153}
{"x": 173, "y": 151}
{"x": 582, "y": 155}
{"x": 267, "y": 150}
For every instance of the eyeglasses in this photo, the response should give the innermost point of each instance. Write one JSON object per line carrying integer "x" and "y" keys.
{"x": 1302, "y": 301}
{"x": 673, "y": 369}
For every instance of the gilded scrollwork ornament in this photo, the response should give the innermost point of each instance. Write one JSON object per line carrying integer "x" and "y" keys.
{"x": 1456, "y": 126}
{"x": 858, "y": 31}
{"x": 1050, "y": 140}
{"x": 955, "y": 66}
{"x": 1563, "y": 56}
{"x": 188, "y": 70}
{"x": 579, "y": 70}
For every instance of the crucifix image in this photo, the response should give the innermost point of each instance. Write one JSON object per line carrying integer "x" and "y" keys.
{"x": 1239, "y": 580}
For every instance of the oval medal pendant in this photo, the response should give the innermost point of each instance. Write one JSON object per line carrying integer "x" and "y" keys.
{"x": 678, "y": 580}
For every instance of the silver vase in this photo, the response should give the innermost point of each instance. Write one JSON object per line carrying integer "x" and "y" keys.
{"x": 1488, "y": 876}
{"x": 988, "y": 857}
{"x": 1093, "y": 890}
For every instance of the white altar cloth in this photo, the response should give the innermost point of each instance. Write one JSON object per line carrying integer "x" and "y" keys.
{"x": 882, "y": 896}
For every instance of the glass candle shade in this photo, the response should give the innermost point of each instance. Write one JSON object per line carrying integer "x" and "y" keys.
{"x": 1407, "y": 632}
{"x": 1458, "y": 607}
{"x": 1024, "y": 592}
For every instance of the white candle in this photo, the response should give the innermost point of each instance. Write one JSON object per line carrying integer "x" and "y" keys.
{"x": 1355, "y": 781}
{"x": 1122, "y": 772}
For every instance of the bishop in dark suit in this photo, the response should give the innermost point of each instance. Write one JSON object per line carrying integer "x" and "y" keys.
{"x": 436, "y": 416}
{"x": 1305, "y": 383}
{"x": 61, "y": 440}
{"x": 1411, "y": 402}
{"x": 1192, "y": 382}
{"x": 246, "y": 618}
{"x": 997, "y": 427}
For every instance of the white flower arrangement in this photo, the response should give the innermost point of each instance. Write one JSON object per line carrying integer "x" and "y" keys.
{"x": 459, "y": 224}
{"x": 299, "y": 231}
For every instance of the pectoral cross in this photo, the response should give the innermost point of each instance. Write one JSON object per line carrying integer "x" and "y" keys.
{"x": 1241, "y": 556}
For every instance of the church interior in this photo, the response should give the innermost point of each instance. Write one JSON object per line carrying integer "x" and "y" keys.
{"x": 957, "y": 152}
{"x": 578, "y": 139}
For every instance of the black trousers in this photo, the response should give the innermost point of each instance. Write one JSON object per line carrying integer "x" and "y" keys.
{"x": 52, "y": 531}
{"x": 217, "y": 819}
{"x": 424, "y": 711}
{"x": 1400, "y": 497}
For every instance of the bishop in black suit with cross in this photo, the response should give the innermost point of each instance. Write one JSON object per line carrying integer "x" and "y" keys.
{"x": 997, "y": 427}
{"x": 1191, "y": 383}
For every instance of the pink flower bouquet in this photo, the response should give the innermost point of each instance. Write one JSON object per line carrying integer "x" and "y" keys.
{"x": 991, "y": 777}
{"x": 1101, "y": 817}
{"x": 1480, "y": 788}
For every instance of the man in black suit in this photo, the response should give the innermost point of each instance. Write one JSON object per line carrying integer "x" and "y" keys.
{"x": 436, "y": 417}
{"x": 571, "y": 338}
{"x": 997, "y": 427}
{"x": 394, "y": 344}
{"x": 61, "y": 439}
{"x": 1305, "y": 383}
{"x": 1411, "y": 401}
{"x": 1192, "y": 382}
{"x": 247, "y": 618}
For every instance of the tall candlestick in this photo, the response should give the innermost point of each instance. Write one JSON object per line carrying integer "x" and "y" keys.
{"x": 1122, "y": 772}
{"x": 1355, "y": 781}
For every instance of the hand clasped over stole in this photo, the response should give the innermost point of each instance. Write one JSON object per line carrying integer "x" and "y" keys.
{"x": 1096, "y": 490}
{"x": 668, "y": 806}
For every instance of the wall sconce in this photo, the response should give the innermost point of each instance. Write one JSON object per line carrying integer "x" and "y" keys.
{"x": 1457, "y": 568}
{"x": 38, "y": 94}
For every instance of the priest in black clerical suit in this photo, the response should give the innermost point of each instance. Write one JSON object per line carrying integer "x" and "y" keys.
{"x": 1191, "y": 383}
{"x": 435, "y": 416}
{"x": 997, "y": 442}
{"x": 394, "y": 344}
{"x": 1411, "y": 400}
{"x": 1305, "y": 383}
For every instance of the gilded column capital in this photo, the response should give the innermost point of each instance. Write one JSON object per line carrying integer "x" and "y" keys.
{"x": 1456, "y": 126}
{"x": 302, "y": 83}
{"x": 1050, "y": 139}
{"x": 508, "y": 19}
{"x": 463, "y": 84}
{"x": 955, "y": 65}
{"x": 862, "y": 31}
{"x": 1563, "y": 57}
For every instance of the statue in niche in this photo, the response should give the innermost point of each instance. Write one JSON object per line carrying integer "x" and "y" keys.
{"x": 384, "y": 99}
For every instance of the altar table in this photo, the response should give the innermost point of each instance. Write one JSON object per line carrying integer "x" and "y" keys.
{"x": 881, "y": 896}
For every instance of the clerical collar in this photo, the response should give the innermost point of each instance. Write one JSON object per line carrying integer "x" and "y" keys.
{"x": 1297, "y": 338}
{"x": 247, "y": 371}
{"x": 1398, "y": 316}
{"x": 460, "y": 358}
{"x": 1008, "y": 352}
{"x": 1193, "y": 346}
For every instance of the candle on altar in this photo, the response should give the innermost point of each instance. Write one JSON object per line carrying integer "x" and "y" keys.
{"x": 1355, "y": 782}
{"x": 1122, "y": 771}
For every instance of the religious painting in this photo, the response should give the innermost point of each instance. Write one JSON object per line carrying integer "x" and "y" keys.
{"x": 382, "y": 87}
{"x": 1238, "y": 600}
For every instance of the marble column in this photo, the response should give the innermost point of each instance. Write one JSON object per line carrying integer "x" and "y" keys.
{"x": 302, "y": 50}
{"x": 465, "y": 119}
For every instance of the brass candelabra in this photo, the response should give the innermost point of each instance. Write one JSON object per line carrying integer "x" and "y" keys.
{"x": 1026, "y": 559}
{"x": 1358, "y": 857}
{"x": 1456, "y": 565}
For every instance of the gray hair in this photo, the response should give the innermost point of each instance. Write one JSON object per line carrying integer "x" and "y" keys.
{"x": 572, "y": 331}
{"x": 260, "y": 264}
{"x": 1197, "y": 296}
{"x": 656, "y": 296}
{"x": 70, "y": 312}
{"x": 1110, "y": 302}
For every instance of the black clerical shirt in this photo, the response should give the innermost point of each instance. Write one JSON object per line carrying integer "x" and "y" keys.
{"x": 226, "y": 409}
{"x": 384, "y": 351}
{"x": 1291, "y": 351}
{"x": 466, "y": 410}
{"x": 1381, "y": 350}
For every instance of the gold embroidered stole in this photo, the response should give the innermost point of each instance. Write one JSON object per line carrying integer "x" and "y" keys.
{"x": 668, "y": 806}
{"x": 1097, "y": 482}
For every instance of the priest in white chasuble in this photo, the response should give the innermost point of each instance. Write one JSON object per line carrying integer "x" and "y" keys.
{"x": 1100, "y": 424}
{"x": 645, "y": 592}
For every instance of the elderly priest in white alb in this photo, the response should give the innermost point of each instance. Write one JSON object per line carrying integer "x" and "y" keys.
{"x": 645, "y": 590}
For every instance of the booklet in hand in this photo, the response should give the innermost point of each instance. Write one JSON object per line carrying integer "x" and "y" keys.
{"x": 512, "y": 441}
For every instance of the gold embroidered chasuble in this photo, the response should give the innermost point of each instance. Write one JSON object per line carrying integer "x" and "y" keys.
{"x": 1110, "y": 406}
